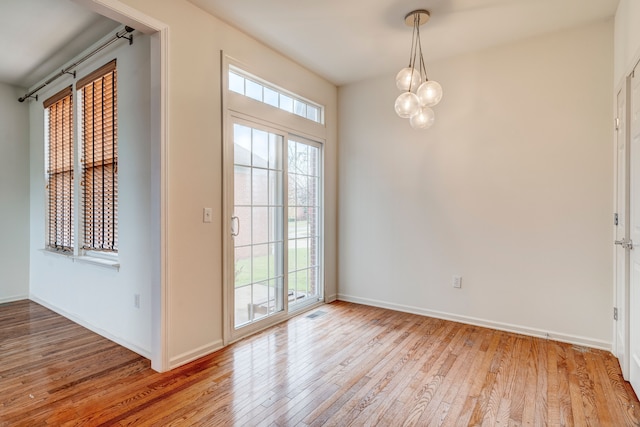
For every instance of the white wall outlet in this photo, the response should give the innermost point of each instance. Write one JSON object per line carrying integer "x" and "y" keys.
{"x": 207, "y": 215}
{"x": 456, "y": 281}
{"x": 136, "y": 300}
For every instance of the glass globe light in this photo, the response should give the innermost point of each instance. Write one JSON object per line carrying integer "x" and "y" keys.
{"x": 407, "y": 80}
{"x": 430, "y": 93}
{"x": 407, "y": 104}
{"x": 424, "y": 119}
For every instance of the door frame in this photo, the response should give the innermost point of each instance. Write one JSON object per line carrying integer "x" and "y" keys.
{"x": 236, "y": 105}
{"x": 158, "y": 31}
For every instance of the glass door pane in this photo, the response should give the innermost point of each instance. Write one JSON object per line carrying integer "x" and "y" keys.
{"x": 304, "y": 222}
{"x": 257, "y": 224}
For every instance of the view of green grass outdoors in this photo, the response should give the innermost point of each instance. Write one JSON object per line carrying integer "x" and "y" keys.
{"x": 262, "y": 264}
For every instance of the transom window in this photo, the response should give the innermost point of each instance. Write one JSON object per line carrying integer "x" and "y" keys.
{"x": 252, "y": 87}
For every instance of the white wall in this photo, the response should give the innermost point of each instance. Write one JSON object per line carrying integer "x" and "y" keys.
{"x": 511, "y": 189}
{"x": 627, "y": 38}
{"x": 98, "y": 297}
{"x": 14, "y": 195}
{"x": 194, "y": 249}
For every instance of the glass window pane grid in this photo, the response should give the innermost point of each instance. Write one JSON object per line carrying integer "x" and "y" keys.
{"x": 262, "y": 207}
{"x": 270, "y": 95}
{"x": 304, "y": 233}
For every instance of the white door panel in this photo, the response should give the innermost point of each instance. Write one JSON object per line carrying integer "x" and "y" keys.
{"x": 621, "y": 296}
{"x": 634, "y": 223}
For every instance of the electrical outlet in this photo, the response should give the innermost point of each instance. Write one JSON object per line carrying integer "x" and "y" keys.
{"x": 207, "y": 215}
{"x": 136, "y": 300}
{"x": 456, "y": 281}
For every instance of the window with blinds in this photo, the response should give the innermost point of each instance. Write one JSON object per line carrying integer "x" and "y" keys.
{"x": 60, "y": 157}
{"x": 99, "y": 128}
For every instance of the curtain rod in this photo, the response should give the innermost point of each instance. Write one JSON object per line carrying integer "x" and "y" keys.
{"x": 118, "y": 35}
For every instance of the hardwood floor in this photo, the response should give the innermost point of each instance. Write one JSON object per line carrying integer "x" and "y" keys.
{"x": 345, "y": 364}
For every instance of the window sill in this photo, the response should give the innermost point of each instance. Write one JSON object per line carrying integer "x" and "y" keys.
{"x": 84, "y": 259}
{"x": 98, "y": 261}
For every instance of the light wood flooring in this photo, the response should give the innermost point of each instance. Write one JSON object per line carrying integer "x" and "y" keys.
{"x": 342, "y": 364}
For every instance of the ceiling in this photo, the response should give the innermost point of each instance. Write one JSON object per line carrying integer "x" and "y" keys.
{"x": 341, "y": 40}
{"x": 39, "y": 36}
{"x": 350, "y": 40}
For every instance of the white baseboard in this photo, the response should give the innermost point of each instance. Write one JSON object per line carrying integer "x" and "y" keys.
{"x": 518, "y": 329}
{"x": 190, "y": 356}
{"x": 330, "y": 298}
{"x": 136, "y": 349}
{"x": 14, "y": 298}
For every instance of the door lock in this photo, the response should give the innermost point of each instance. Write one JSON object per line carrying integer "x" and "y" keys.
{"x": 627, "y": 244}
{"x": 235, "y": 230}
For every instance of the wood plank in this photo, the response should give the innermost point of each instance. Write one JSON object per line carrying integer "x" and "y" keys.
{"x": 542, "y": 390}
{"x": 565, "y": 409}
{"x": 528, "y": 369}
{"x": 354, "y": 365}
{"x": 575, "y": 396}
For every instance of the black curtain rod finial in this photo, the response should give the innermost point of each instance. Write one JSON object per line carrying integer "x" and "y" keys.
{"x": 24, "y": 98}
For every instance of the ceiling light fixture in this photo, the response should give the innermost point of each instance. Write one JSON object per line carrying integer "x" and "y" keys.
{"x": 419, "y": 93}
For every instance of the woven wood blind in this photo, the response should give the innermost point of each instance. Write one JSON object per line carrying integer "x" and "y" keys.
{"x": 60, "y": 170}
{"x": 100, "y": 159}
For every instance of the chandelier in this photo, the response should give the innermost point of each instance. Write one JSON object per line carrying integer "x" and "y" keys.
{"x": 419, "y": 93}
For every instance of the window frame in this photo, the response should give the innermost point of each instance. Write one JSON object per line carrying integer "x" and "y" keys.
{"x": 78, "y": 251}
{"x": 296, "y": 100}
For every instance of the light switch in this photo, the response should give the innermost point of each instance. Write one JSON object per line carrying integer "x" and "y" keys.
{"x": 456, "y": 281}
{"x": 207, "y": 215}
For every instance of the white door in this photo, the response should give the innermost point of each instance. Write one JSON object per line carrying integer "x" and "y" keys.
{"x": 634, "y": 223}
{"x": 621, "y": 296}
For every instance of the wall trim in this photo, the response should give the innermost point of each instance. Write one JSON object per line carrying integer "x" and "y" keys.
{"x": 330, "y": 298}
{"x": 13, "y": 298}
{"x": 124, "y": 343}
{"x": 190, "y": 356}
{"x": 507, "y": 327}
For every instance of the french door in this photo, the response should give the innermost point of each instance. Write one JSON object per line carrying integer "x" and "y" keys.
{"x": 274, "y": 251}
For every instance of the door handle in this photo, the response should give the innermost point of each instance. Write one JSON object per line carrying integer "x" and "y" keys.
{"x": 235, "y": 218}
{"x": 627, "y": 244}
